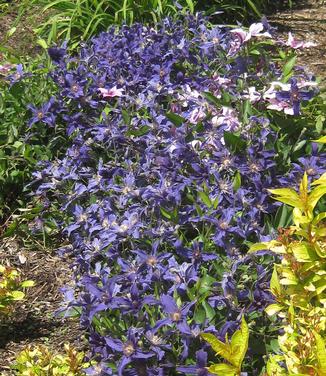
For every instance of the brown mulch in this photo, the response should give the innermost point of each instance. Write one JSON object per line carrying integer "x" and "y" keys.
{"x": 34, "y": 321}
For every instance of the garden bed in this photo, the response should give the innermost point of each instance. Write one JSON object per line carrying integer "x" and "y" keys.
{"x": 34, "y": 320}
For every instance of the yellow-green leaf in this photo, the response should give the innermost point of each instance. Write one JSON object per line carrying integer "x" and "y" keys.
{"x": 303, "y": 252}
{"x": 273, "y": 308}
{"x": 321, "y": 140}
{"x": 321, "y": 354}
{"x": 239, "y": 344}
{"x": 315, "y": 196}
{"x": 28, "y": 283}
{"x": 304, "y": 186}
{"x": 320, "y": 181}
{"x": 275, "y": 283}
{"x": 17, "y": 295}
{"x": 273, "y": 245}
{"x": 222, "y": 369}
{"x": 287, "y": 196}
{"x": 218, "y": 346}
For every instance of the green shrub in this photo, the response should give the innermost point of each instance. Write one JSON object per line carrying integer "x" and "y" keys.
{"x": 299, "y": 283}
{"x": 21, "y": 150}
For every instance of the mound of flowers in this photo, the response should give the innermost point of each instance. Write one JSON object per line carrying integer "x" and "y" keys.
{"x": 173, "y": 144}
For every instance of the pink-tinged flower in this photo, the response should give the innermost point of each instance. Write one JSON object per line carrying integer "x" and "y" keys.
{"x": 197, "y": 115}
{"x": 227, "y": 118}
{"x": 255, "y": 30}
{"x": 278, "y": 105}
{"x": 242, "y": 36}
{"x": 111, "y": 93}
{"x": 252, "y": 94}
{"x": 296, "y": 44}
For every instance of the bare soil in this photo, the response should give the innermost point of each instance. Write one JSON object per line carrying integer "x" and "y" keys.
{"x": 307, "y": 22}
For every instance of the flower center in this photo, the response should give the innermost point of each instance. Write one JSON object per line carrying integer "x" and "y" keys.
{"x": 151, "y": 261}
{"x": 176, "y": 316}
{"x": 311, "y": 171}
{"x": 224, "y": 225}
{"x": 40, "y": 115}
{"x": 124, "y": 227}
{"x": 254, "y": 167}
{"x": 82, "y": 218}
{"x": 128, "y": 348}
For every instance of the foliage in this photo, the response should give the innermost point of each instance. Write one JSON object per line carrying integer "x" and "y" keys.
{"x": 11, "y": 288}
{"x": 175, "y": 134}
{"x": 39, "y": 360}
{"x": 78, "y": 20}
{"x": 233, "y": 352}
{"x": 298, "y": 283}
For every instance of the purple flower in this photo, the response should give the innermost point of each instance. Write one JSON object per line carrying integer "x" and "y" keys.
{"x": 176, "y": 316}
{"x": 43, "y": 114}
{"x": 200, "y": 369}
{"x": 129, "y": 349}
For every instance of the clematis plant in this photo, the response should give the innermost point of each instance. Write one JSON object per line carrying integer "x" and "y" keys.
{"x": 162, "y": 188}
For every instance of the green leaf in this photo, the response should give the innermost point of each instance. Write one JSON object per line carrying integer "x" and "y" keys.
{"x": 199, "y": 315}
{"x": 282, "y": 217}
{"x": 222, "y": 369}
{"x": 11, "y": 32}
{"x": 41, "y": 42}
{"x": 254, "y": 8}
{"x": 139, "y": 132}
{"x": 320, "y": 119}
{"x": 211, "y": 98}
{"x": 210, "y": 311}
{"x": 233, "y": 142}
{"x": 166, "y": 213}
{"x": 288, "y": 67}
{"x": 205, "y": 198}
{"x": 177, "y": 120}
{"x": 237, "y": 181}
